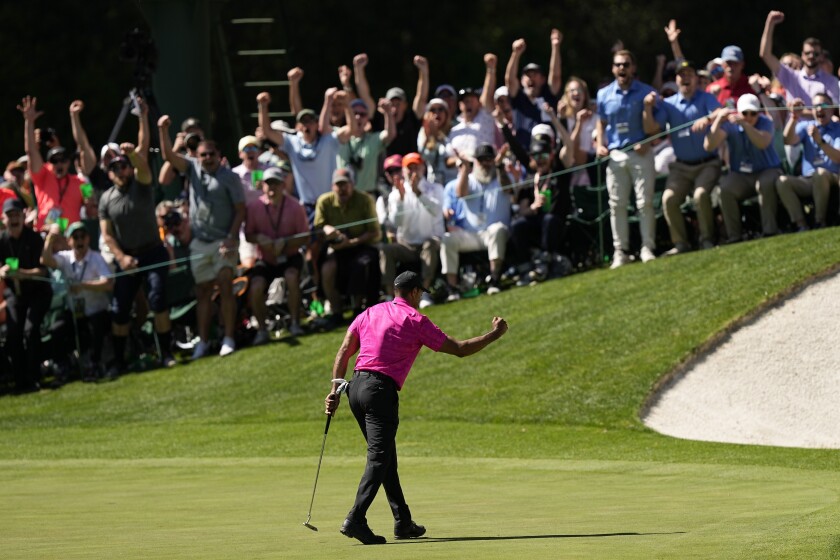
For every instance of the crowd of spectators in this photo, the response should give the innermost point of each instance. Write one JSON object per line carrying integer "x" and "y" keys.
{"x": 473, "y": 187}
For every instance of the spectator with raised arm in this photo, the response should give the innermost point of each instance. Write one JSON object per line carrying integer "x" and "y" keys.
{"x": 276, "y": 223}
{"x": 477, "y": 125}
{"x": 820, "y": 139}
{"x": 90, "y": 286}
{"x": 529, "y": 92}
{"x": 417, "y": 209}
{"x": 696, "y": 171}
{"x": 486, "y": 211}
{"x": 575, "y": 111}
{"x": 27, "y": 295}
{"x": 186, "y": 143}
{"x": 312, "y": 150}
{"x": 807, "y": 82}
{"x": 754, "y": 165}
{"x": 619, "y": 128}
{"x": 408, "y": 119}
{"x": 350, "y": 260}
{"x": 364, "y": 147}
{"x": 734, "y": 82}
{"x": 217, "y": 210}
{"x": 433, "y": 142}
{"x": 57, "y": 190}
{"x": 129, "y": 228}
{"x": 97, "y": 174}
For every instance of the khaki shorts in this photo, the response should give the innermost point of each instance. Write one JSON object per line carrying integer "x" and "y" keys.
{"x": 207, "y": 261}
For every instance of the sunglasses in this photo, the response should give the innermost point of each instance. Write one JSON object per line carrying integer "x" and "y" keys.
{"x": 58, "y": 161}
{"x": 250, "y": 149}
{"x": 78, "y": 236}
{"x": 749, "y": 113}
{"x": 811, "y": 53}
{"x": 485, "y": 159}
{"x": 394, "y": 171}
{"x": 541, "y": 156}
{"x": 437, "y": 110}
{"x": 206, "y": 154}
{"x": 621, "y": 64}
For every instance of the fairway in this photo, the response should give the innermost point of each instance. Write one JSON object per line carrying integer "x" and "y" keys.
{"x": 488, "y": 508}
{"x": 531, "y": 449}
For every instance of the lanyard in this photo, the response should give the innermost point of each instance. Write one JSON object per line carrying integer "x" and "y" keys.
{"x": 62, "y": 190}
{"x": 275, "y": 226}
{"x": 81, "y": 276}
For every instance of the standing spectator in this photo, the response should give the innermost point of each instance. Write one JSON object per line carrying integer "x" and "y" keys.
{"x": 417, "y": 209}
{"x": 619, "y": 126}
{"x": 350, "y": 264}
{"x": 312, "y": 150}
{"x": 276, "y": 223}
{"x": 90, "y": 286}
{"x": 56, "y": 189}
{"x": 364, "y": 147}
{"x": 754, "y": 165}
{"x": 128, "y": 224}
{"x": 575, "y": 111}
{"x": 392, "y": 166}
{"x": 433, "y": 142}
{"x": 186, "y": 143}
{"x": 486, "y": 208}
{"x": 532, "y": 90}
{"x": 97, "y": 175}
{"x": 408, "y": 120}
{"x": 734, "y": 82}
{"x": 27, "y": 294}
{"x": 250, "y": 169}
{"x": 450, "y": 96}
{"x": 808, "y": 81}
{"x": 820, "y": 139}
{"x": 217, "y": 210}
{"x": 696, "y": 171}
{"x": 477, "y": 124}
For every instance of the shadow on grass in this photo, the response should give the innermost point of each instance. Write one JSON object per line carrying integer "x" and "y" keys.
{"x": 525, "y": 537}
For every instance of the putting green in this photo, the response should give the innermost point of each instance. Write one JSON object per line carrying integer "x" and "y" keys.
{"x": 473, "y": 508}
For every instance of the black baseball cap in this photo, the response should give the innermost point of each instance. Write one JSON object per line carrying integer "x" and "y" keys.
{"x": 409, "y": 280}
{"x": 12, "y": 204}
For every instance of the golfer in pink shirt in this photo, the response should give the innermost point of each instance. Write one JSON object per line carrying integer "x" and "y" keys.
{"x": 388, "y": 337}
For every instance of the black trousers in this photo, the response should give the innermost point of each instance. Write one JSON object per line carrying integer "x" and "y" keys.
{"x": 375, "y": 404}
{"x": 543, "y": 230}
{"x": 23, "y": 336}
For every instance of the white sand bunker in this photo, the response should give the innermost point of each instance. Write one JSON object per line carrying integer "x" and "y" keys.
{"x": 774, "y": 381}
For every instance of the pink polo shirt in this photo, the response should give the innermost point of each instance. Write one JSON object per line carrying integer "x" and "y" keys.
{"x": 391, "y": 335}
{"x": 276, "y": 221}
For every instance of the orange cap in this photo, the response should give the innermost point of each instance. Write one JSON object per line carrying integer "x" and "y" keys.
{"x": 412, "y": 158}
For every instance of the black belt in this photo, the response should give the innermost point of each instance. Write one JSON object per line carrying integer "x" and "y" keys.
{"x": 376, "y": 374}
{"x": 698, "y": 162}
{"x": 140, "y": 251}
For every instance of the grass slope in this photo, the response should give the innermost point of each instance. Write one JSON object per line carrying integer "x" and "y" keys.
{"x": 531, "y": 446}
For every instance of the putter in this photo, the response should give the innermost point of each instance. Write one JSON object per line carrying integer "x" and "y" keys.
{"x": 342, "y": 387}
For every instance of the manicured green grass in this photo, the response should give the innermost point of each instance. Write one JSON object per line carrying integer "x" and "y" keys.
{"x": 531, "y": 447}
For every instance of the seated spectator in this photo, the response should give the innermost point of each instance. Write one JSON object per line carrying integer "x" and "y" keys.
{"x": 820, "y": 139}
{"x": 90, "y": 285}
{"x": 477, "y": 125}
{"x": 56, "y": 189}
{"x": 433, "y": 143}
{"x": 249, "y": 171}
{"x": 487, "y": 209}
{"x": 799, "y": 84}
{"x": 417, "y": 209}
{"x": 350, "y": 261}
{"x": 543, "y": 209}
{"x": 364, "y": 147}
{"x": 696, "y": 171}
{"x": 276, "y": 224}
{"x": 28, "y": 294}
{"x": 529, "y": 92}
{"x": 754, "y": 165}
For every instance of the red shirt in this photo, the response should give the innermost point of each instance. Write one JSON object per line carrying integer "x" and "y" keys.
{"x": 52, "y": 192}
{"x": 733, "y": 92}
{"x": 391, "y": 335}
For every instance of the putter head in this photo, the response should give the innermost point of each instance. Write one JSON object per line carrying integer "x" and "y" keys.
{"x": 310, "y": 526}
